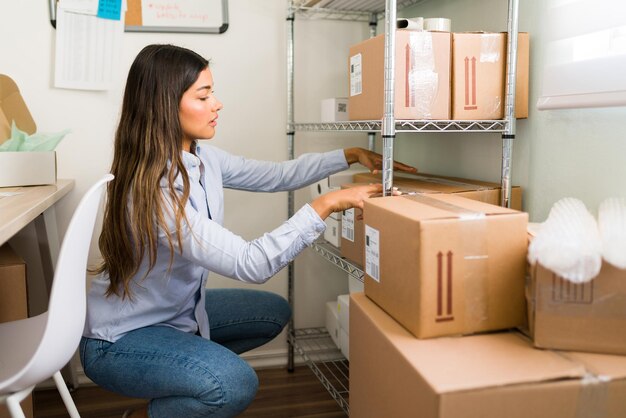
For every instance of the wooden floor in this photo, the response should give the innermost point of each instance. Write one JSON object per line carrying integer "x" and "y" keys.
{"x": 281, "y": 395}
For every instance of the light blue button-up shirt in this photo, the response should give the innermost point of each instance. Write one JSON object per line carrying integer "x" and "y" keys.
{"x": 175, "y": 297}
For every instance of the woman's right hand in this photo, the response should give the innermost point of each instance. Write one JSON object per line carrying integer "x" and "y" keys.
{"x": 340, "y": 200}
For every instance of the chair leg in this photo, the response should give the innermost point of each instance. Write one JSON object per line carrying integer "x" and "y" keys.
{"x": 13, "y": 403}
{"x": 65, "y": 394}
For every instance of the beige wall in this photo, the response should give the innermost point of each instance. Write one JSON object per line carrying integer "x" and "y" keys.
{"x": 558, "y": 153}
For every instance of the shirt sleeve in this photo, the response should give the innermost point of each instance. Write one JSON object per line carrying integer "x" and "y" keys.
{"x": 266, "y": 176}
{"x": 208, "y": 244}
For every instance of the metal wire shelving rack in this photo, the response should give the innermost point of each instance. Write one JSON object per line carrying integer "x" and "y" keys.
{"x": 315, "y": 345}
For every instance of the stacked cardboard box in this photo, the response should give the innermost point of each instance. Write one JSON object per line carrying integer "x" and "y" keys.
{"x": 422, "y": 74}
{"x": 441, "y": 264}
{"x": 481, "y": 376}
{"x": 352, "y": 228}
{"x": 438, "y": 75}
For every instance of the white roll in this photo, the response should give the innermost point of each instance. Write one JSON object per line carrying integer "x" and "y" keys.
{"x": 411, "y": 23}
{"x": 439, "y": 24}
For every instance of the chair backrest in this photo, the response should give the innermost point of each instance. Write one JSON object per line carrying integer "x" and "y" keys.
{"x": 67, "y": 304}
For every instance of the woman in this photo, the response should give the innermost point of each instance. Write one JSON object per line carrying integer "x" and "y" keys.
{"x": 153, "y": 331}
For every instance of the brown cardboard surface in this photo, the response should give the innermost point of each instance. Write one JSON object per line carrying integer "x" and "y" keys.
{"x": 582, "y": 317}
{"x": 483, "y": 191}
{"x": 478, "y": 79}
{"x": 13, "y": 295}
{"x": 352, "y": 249}
{"x": 13, "y": 108}
{"x": 422, "y": 75}
{"x": 483, "y": 376}
{"x": 13, "y": 303}
{"x": 446, "y": 265}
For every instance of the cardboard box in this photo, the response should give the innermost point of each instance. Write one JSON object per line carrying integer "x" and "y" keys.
{"x": 483, "y": 191}
{"x": 496, "y": 375}
{"x": 13, "y": 303}
{"x": 353, "y": 231}
{"x": 21, "y": 168}
{"x": 478, "y": 75}
{"x": 334, "y": 109}
{"x": 422, "y": 77}
{"x": 583, "y": 317}
{"x": 440, "y": 264}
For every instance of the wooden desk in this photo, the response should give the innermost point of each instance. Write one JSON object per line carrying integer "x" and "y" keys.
{"x": 36, "y": 204}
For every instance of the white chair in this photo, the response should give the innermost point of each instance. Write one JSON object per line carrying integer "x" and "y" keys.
{"x": 34, "y": 349}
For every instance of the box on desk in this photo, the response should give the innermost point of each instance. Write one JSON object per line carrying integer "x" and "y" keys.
{"x": 422, "y": 89}
{"x": 493, "y": 375}
{"x": 353, "y": 232}
{"x": 21, "y": 168}
{"x": 13, "y": 303}
{"x": 440, "y": 264}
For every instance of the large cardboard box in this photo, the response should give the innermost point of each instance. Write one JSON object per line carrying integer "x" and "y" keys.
{"x": 21, "y": 168}
{"x": 422, "y": 77}
{"x": 496, "y": 375}
{"x": 353, "y": 230}
{"x": 478, "y": 75}
{"x": 13, "y": 303}
{"x": 583, "y": 317}
{"x": 440, "y": 264}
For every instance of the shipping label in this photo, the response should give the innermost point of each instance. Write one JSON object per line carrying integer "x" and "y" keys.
{"x": 347, "y": 225}
{"x": 372, "y": 253}
{"x": 356, "y": 75}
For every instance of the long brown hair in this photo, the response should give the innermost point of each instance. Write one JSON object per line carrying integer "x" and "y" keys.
{"x": 148, "y": 148}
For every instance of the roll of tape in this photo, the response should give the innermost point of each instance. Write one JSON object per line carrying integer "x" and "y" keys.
{"x": 412, "y": 23}
{"x": 440, "y": 24}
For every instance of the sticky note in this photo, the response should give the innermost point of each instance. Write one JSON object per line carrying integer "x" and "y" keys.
{"x": 110, "y": 9}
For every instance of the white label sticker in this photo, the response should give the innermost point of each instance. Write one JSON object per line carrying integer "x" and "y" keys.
{"x": 356, "y": 75}
{"x": 372, "y": 254}
{"x": 347, "y": 225}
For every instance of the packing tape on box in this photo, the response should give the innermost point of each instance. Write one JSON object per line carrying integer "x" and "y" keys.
{"x": 593, "y": 399}
{"x": 422, "y": 81}
{"x": 474, "y": 265}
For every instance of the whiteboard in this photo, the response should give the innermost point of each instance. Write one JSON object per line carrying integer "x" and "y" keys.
{"x": 176, "y": 16}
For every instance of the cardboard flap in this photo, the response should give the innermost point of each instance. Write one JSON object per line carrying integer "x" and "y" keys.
{"x": 601, "y": 364}
{"x": 13, "y": 108}
{"x": 438, "y": 206}
{"x": 453, "y": 364}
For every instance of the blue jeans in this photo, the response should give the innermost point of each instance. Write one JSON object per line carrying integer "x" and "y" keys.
{"x": 185, "y": 375}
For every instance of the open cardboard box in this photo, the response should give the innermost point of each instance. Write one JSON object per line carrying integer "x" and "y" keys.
{"x": 21, "y": 168}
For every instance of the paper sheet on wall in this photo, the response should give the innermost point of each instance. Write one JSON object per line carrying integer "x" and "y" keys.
{"x": 87, "y": 50}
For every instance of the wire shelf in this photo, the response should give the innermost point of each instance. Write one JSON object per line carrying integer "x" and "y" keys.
{"x": 354, "y": 10}
{"x": 432, "y": 126}
{"x": 331, "y": 253}
{"x": 325, "y": 360}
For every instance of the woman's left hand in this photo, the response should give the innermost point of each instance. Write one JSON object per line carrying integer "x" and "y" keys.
{"x": 372, "y": 160}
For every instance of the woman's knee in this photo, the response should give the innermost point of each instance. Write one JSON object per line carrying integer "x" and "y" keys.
{"x": 238, "y": 390}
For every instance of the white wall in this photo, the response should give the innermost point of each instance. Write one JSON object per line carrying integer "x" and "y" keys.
{"x": 559, "y": 153}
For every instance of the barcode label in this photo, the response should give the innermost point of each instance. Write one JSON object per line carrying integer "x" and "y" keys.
{"x": 356, "y": 75}
{"x": 372, "y": 253}
{"x": 347, "y": 225}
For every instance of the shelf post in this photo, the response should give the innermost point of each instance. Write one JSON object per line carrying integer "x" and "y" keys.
{"x": 388, "y": 122}
{"x": 291, "y": 155}
{"x": 509, "y": 103}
